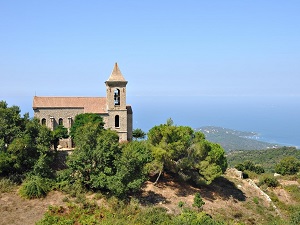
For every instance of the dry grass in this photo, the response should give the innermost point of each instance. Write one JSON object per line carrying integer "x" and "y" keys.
{"x": 228, "y": 198}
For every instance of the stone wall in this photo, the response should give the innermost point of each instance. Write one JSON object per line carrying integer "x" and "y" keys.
{"x": 52, "y": 116}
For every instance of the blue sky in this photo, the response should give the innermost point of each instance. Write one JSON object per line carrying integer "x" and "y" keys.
{"x": 174, "y": 48}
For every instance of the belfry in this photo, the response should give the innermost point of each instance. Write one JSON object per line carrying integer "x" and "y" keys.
{"x": 117, "y": 115}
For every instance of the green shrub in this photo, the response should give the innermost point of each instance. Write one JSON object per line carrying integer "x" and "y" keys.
{"x": 198, "y": 201}
{"x": 35, "y": 187}
{"x": 288, "y": 166}
{"x": 191, "y": 217}
{"x": 249, "y": 166}
{"x": 268, "y": 180}
{"x": 180, "y": 204}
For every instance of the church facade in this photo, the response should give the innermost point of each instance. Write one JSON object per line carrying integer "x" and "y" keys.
{"x": 116, "y": 114}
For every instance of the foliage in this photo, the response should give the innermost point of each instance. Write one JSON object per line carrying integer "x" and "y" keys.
{"x": 138, "y": 134}
{"x": 268, "y": 180}
{"x": 266, "y": 158}
{"x": 198, "y": 201}
{"x": 59, "y": 132}
{"x": 116, "y": 212}
{"x": 35, "y": 187}
{"x": 250, "y": 166}
{"x": 131, "y": 170}
{"x": 180, "y": 150}
{"x": 288, "y": 166}
{"x": 24, "y": 149}
{"x": 100, "y": 163}
{"x": 83, "y": 119}
{"x": 11, "y": 123}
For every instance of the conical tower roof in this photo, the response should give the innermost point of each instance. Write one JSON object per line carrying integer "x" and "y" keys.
{"x": 116, "y": 74}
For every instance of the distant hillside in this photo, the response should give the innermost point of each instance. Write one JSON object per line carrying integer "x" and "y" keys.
{"x": 266, "y": 158}
{"x": 233, "y": 139}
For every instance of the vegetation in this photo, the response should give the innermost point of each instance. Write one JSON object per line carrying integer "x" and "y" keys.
{"x": 250, "y": 166}
{"x": 198, "y": 202}
{"x": 59, "y": 132}
{"x": 138, "y": 134}
{"x": 35, "y": 187}
{"x": 180, "y": 150}
{"x": 83, "y": 119}
{"x": 116, "y": 171}
{"x": 288, "y": 166}
{"x": 265, "y": 158}
{"x": 99, "y": 162}
{"x": 268, "y": 180}
{"x": 116, "y": 212}
{"x": 24, "y": 144}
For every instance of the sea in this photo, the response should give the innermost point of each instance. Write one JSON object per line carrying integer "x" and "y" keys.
{"x": 275, "y": 119}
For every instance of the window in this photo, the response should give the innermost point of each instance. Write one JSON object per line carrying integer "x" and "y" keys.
{"x": 60, "y": 121}
{"x": 43, "y": 121}
{"x": 117, "y": 121}
{"x": 117, "y": 96}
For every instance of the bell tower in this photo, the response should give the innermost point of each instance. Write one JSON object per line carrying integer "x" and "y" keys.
{"x": 116, "y": 103}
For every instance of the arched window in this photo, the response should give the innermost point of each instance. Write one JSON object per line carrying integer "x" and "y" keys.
{"x": 117, "y": 96}
{"x": 117, "y": 121}
{"x": 60, "y": 121}
{"x": 43, "y": 121}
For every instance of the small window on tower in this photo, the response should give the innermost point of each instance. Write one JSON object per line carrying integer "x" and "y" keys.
{"x": 117, "y": 96}
{"x": 43, "y": 121}
{"x": 117, "y": 121}
{"x": 60, "y": 121}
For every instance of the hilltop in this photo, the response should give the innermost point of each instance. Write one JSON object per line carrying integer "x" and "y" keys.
{"x": 233, "y": 139}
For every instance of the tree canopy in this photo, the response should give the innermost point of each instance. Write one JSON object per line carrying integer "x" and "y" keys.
{"x": 288, "y": 166}
{"x": 181, "y": 150}
{"x": 100, "y": 162}
{"x": 24, "y": 143}
{"x": 138, "y": 133}
{"x": 82, "y": 119}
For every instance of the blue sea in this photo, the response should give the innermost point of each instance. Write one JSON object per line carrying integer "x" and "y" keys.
{"x": 275, "y": 118}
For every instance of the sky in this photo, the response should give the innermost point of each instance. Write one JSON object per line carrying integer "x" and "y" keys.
{"x": 163, "y": 48}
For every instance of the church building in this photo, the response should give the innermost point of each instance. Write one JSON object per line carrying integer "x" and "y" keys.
{"x": 54, "y": 111}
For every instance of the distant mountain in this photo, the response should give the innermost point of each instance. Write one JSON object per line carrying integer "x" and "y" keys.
{"x": 234, "y": 140}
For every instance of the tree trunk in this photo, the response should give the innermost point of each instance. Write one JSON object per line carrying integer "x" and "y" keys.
{"x": 157, "y": 178}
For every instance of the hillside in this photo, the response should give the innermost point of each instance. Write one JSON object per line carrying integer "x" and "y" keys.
{"x": 247, "y": 203}
{"x": 234, "y": 140}
{"x": 266, "y": 158}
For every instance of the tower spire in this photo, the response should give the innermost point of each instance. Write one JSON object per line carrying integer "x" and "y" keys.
{"x": 116, "y": 74}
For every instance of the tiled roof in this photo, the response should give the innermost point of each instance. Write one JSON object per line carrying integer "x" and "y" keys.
{"x": 116, "y": 74}
{"x": 89, "y": 104}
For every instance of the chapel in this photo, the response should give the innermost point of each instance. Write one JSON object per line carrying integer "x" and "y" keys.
{"x": 116, "y": 114}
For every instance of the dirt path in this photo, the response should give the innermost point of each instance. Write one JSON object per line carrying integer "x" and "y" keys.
{"x": 15, "y": 210}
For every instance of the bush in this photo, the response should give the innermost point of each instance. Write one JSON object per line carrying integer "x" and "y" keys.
{"x": 288, "y": 166}
{"x": 268, "y": 180}
{"x": 35, "y": 187}
{"x": 249, "y": 166}
{"x": 198, "y": 202}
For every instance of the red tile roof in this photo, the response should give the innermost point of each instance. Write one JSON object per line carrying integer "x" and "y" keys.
{"x": 89, "y": 104}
